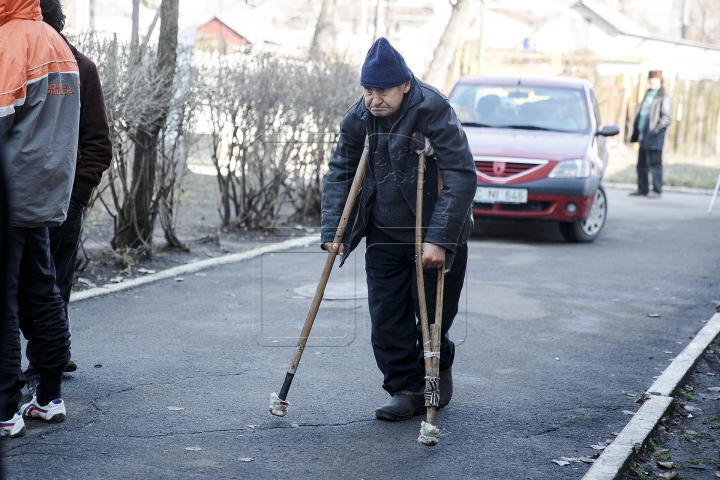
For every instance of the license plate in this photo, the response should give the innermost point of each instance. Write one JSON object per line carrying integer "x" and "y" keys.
{"x": 501, "y": 195}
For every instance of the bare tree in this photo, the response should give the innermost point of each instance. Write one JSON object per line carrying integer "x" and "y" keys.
{"x": 136, "y": 216}
{"x": 137, "y": 94}
{"x": 445, "y": 51}
{"x": 324, "y": 37}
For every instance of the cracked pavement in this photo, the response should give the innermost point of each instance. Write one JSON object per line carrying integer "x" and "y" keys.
{"x": 552, "y": 338}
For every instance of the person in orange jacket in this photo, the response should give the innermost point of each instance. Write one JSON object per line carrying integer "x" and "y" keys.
{"x": 39, "y": 118}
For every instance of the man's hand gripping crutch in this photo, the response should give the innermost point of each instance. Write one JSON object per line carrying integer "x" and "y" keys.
{"x": 431, "y": 334}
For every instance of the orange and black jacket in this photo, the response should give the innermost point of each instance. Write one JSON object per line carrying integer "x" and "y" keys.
{"x": 39, "y": 115}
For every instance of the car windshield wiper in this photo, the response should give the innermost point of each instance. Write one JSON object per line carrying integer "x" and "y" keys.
{"x": 475, "y": 124}
{"x": 530, "y": 127}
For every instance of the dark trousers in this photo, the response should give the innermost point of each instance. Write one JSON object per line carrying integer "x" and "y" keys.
{"x": 394, "y": 313}
{"x": 34, "y": 306}
{"x": 649, "y": 161}
{"x": 64, "y": 243}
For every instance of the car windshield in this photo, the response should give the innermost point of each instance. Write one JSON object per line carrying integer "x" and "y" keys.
{"x": 521, "y": 107}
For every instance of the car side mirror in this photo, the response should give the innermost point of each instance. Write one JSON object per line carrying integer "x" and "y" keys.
{"x": 608, "y": 131}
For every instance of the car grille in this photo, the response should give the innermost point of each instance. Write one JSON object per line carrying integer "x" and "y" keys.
{"x": 525, "y": 207}
{"x": 511, "y": 168}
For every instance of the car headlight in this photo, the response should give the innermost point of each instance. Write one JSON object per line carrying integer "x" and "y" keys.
{"x": 571, "y": 169}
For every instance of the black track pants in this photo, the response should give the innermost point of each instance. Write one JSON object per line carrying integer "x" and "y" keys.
{"x": 34, "y": 306}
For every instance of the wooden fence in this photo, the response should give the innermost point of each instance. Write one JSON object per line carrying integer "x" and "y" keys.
{"x": 696, "y": 108}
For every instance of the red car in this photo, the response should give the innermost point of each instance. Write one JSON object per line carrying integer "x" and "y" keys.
{"x": 539, "y": 150}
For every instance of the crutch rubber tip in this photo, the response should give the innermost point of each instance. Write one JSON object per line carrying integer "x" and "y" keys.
{"x": 278, "y": 407}
{"x": 429, "y": 435}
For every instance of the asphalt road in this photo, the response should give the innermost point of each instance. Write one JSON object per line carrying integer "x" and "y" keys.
{"x": 554, "y": 336}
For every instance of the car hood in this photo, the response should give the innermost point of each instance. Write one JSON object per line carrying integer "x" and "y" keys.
{"x": 502, "y": 142}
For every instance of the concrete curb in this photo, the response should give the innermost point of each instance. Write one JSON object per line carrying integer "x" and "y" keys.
{"x": 666, "y": 188}
{"x": 194, "y": 267}
{"x": 617, "y": 456}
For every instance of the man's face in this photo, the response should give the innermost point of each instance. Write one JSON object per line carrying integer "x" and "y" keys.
{"x": 383, "y": 102}
{"x": 655, "y": 83}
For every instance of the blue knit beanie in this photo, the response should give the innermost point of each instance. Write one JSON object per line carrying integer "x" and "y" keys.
{"x": 384, "y": 67}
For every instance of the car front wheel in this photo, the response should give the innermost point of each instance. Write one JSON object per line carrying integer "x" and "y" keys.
{"x": 588, "y": 230}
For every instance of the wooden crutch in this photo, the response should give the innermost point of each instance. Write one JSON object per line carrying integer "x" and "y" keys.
{"x": 279, "y": 403}
{"x": 431, "y": 334}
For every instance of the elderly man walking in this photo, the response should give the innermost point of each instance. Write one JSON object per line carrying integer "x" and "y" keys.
{"x": 397, "y": 113}
{"x": 652, "y": 120}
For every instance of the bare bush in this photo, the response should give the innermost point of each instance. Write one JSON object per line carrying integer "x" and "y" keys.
{"x": 271, "y": 125}
{"x": 137, "y": 101}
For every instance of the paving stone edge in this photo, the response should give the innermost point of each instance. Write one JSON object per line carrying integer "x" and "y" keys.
{"x": 617, "y": 456}
{"x": 194, "y": 267}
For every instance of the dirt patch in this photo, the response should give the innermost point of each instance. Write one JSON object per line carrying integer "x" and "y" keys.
{"x": 686, "y": 443}
{"x": 198, "y": 227}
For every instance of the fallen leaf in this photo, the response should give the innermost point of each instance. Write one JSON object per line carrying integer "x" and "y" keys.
{"x": 145, "y": 271}
{"x": 628, "y": 412}
{"x": 294, "y": 425}
{"x": 688, "y": 388}
{"x": 246, "y": 460}
{"x": 232, "y": 294}
{"x": 595, "y": 455}
{"x": 653, "y": 315}
{"x": 717, "y": 474}
{"x": 689, "y": 408}
{"x": 597, "y": 447}
{"x": 667, "y": 351}
{"x": 562, "y": 463}
{"x": 671, "y": 475}
{"x": 666, "y": 465}
{"x": 177, "y": 409}
{"x": 179, "y": 279}
{"x": 193, "y": 449}
{"x": 710, "y": 374}
{"x": 714, "y": 389}
{"x": 557, "y": 358}
{"x": 587, "y": 460}
{"x": 690, "y": 415}
{"x": 98, "y": 365}
{"x": 253, "y": 426}
{"x": 86, "y": 282}
{"x": 117, "y": 279}
{"x": 615, "y": 434}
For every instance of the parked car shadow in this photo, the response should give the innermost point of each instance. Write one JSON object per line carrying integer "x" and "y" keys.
{"x": 519, "y": 231}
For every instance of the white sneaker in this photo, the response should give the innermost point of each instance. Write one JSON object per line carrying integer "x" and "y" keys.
{"x": 53, "y": 412}
{"x": 15, "y": 427}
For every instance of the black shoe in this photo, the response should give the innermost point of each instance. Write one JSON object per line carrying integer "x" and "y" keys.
{"x": 446, "y": 387}
{"x": 71, "y": 366}
{"x": 402, "y": 406}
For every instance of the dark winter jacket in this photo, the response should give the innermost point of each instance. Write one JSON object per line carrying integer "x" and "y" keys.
{"x": 94, "y": 146}
{"x": 447, "y": 218}
{"x": 658, "y": 120}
